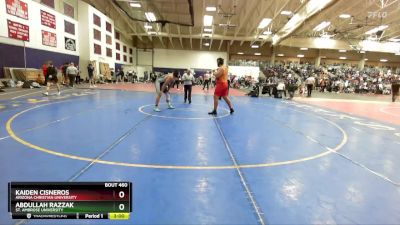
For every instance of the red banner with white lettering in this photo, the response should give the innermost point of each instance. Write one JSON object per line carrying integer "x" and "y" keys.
{"x": 49, "y": 39}
{"x": 48, "y": 19}
{"x": 17, "y": 8}
{"x": 18, "y": 30}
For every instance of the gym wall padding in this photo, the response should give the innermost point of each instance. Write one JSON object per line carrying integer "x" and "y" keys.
{"x": 118, "y": 66}
{"x": 13, "y": 56}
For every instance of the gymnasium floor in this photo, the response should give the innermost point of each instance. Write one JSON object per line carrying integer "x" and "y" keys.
{"x": 308, "y": 161}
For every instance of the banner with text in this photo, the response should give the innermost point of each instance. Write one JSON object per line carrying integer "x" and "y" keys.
{"x": 17, "y": 8}
{"x": 49, "y": 39}
{"x": 48, "y": 19}
{"x": 18, "y": 30}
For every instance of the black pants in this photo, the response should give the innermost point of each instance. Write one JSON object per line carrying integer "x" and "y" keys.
{"x": 395, "y": 91}
{"x": 206, "y": 83}
{"x": 309, "y": 89}
{"x": 78, "y": 79}
{"x": 188, "y": 92}
{"x": 177, "y": 84}
{"x": 71, "y": 79}
{"x": 46, "y": 79}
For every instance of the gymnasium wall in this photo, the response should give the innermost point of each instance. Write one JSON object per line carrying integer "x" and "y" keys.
{"x": 13, "y": 56}
{"x": 36, "y": 28}
{"x": 38, "y": 48}
{"x": 185, "y": 59}
{"x": 123, "y": 54}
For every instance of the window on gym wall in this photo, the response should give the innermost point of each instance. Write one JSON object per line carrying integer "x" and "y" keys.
{"x": 69, "y": 27}
{"x": 69, "y": 10}
{"x": 49, "y": 3}
{"x": 97, "y": 49}
{"x": 109, "y": 52}
{"x": 97, "y": 34}
{"x": 108, "y": 39}
{"x": 108, "y": 27}
{"x": 96, "y": 20}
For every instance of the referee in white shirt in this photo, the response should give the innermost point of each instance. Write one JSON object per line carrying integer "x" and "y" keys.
{"x": 188, "y": 79}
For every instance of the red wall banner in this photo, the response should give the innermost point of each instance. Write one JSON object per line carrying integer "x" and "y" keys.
{"x": 17, "y": 8}
{"x": 18, "y": 30}
{"x": 48, "y": 19}
{"x": 49, "y": 39}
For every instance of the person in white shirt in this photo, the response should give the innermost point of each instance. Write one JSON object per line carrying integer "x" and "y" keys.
{"x": 71, "y": 71}
{"x": 281, "y": 88}
{"x": 207, "y": 77}
{"x": 212, "y": 80}
{"x": 188, "y": 79}
{"x": 310, "y": 81}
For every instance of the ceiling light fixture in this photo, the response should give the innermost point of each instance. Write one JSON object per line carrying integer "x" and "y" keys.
{"x": 208, "y": 20}
{"x": 207, "y": 44}
{"x": 264, "y": 23}
{"x": 135, "y": 4}
{"x": 211, "y": 8}
{"x": 257, "y": 53}
{"x": 309, "y": 9}
{"x": 304, "y": 49}
{"x": 376, "y": 29}
{"x": 255, "y": 46}
{"x": 240, "y": 53}
{"x": 150, "y": 16}
{"x": 286, "y": 13}
{"x": 345, "y": 16}
{"x": 322, "y": 26}
{"x": 342, "y": 57}
{"x": 300, "y": 56}
{"x": 281, "y": 55}
{"x": 342, "y": 50}
{"x": 394, "y": 39}
{"x": 383, "y": 60}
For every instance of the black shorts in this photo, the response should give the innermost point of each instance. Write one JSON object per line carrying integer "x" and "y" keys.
{"x": 52, "y": 78}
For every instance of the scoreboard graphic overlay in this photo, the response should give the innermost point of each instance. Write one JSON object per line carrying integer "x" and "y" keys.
{"x": 70, "y": 200}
